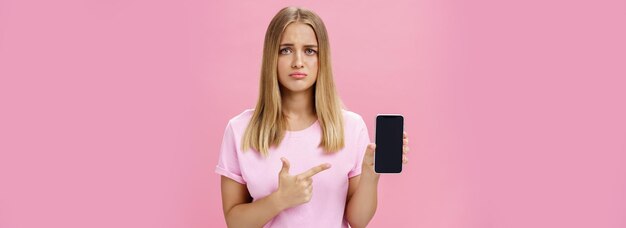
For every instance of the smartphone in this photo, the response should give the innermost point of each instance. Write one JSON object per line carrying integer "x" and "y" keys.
{"x": 389, "y": 133}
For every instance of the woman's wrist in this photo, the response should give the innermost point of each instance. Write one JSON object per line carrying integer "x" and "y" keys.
{"x": 368, "y": 174}
{"x": 277, "y": 201}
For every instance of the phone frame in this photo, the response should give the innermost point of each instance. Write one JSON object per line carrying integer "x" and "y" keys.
{"x": 385, "y": 114}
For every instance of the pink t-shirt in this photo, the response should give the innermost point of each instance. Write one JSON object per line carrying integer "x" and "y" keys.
{"x": 330, "y": 187}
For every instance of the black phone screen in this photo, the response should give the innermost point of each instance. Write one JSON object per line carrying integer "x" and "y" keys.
{"x": 388, "y": 156}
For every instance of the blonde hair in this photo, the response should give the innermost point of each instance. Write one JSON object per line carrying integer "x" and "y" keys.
{"x": 268, "y": 124}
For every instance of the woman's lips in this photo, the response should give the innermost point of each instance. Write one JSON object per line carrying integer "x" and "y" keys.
{"x": 297, "y": 75}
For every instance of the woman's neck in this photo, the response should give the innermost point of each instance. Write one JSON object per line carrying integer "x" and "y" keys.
{"x": 299, "y": 106}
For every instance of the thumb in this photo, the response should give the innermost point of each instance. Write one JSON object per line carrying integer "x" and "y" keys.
{"x": 285, "y": 169}
{"x": 368, "y": 159}
{"x": 370, "y": 149}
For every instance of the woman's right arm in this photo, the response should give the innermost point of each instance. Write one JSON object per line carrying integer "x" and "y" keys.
{"x": 240, "y": 211}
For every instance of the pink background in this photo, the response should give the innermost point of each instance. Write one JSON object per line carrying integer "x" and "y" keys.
{"x": 112, "y": 112}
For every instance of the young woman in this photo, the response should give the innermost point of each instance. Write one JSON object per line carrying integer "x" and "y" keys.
{"x": 298, "y": 159}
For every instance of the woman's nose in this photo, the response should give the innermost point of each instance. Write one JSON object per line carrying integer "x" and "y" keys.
{"x": 297, "y": 61}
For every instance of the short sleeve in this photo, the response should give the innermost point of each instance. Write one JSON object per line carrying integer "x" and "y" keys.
{"x": 362, "y": 140}
{"x": 228, "y": 162}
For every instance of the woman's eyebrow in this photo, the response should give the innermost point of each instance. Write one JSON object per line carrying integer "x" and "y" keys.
{"x": 291, "y": 45}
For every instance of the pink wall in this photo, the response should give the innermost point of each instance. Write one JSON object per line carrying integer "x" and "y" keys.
{"x": 112, "y": 111}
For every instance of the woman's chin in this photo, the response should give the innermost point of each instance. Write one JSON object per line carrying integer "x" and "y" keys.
{"x": 298, "y": 88}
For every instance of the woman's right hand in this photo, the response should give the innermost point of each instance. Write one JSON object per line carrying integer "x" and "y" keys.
{"x": 295, "y": 190}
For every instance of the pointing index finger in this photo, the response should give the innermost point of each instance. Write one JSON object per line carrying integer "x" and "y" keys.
{"x": 315, "y": 170}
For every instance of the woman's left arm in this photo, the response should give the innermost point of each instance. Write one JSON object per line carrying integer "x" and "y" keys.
{"x": 363, "y": 189}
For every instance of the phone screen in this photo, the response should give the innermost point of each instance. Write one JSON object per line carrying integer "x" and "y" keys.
{"x": 388, "y": 156}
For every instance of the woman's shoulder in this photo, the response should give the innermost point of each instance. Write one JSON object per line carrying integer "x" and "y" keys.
{"x": 241, "y": 120}
{"x": 352, "y": 118}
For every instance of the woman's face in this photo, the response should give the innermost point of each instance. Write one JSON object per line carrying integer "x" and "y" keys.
{"x": 297, "y": 58}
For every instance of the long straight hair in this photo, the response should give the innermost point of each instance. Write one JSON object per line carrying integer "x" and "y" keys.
{"x": 268, "y": 124}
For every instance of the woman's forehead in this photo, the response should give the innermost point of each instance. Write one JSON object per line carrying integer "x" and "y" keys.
{"x": 298, "y": 34}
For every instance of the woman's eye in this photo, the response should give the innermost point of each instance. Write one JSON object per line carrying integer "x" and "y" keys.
{"x": 310, "y": 51}
{"x": 285, "y": 51}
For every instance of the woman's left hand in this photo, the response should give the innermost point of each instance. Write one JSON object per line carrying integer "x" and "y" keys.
{"x": 368, "y": 160}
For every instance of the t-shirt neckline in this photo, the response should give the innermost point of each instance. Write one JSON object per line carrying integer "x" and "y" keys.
{"x": 303, "y": 131}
